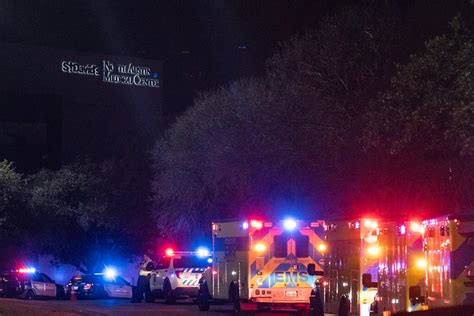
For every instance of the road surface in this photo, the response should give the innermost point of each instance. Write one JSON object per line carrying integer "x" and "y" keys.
{"x": 113, "y": 307}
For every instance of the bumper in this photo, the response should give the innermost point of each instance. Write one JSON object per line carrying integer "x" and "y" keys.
{"x": 186, "y": 291}
{"x": 281, "y": 296}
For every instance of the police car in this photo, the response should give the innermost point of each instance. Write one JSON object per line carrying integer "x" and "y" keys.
{"x": 27, "y": 283}
{"x": 98, "y": 285}
{"x": 177, "y": 275}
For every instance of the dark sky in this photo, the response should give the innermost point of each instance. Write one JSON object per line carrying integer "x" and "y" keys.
{"x": 204, "y": 43}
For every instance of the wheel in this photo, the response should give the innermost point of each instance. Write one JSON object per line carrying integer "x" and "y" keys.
{"x": 149, "y": 297}
{"x": 30, "y": 295}
{"x": 168, "y": 293}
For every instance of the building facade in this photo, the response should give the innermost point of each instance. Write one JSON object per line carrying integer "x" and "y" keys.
{"x": 59, "y": 105}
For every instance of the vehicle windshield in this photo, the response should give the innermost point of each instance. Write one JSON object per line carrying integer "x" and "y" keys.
{"x": 190, "y": 262}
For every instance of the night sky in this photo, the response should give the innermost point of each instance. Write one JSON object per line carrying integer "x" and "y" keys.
{"x": 203, "y": 43}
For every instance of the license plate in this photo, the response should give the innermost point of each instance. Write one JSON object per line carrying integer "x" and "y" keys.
{"x": 75, "y": 287}
{"x": 291, "y": 293}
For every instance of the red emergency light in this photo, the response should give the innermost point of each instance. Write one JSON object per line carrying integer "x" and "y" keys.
{"x": 369, "y": 223}
{"x": 256, "y": 224}
{"x": 169, "y": 252}
{"x": 417, "y": 227}
{"x": 26, "y": 270}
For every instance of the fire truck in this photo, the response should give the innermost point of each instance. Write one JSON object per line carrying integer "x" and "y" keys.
{"x": 449, "y": 249}
{"x": 263, "y": 264}
{"x": 375, "y": 265}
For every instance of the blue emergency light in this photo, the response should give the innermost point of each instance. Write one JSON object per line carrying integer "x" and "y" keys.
{"x": 289, "y": 224}
{"x": 110, "y": 273}
{"x": 202, "y": 252}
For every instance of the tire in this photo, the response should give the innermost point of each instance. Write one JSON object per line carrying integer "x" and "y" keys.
{"x": 30, "y": 295}
{"x": 168, "y": 293}
{"x": 149, "y": 297}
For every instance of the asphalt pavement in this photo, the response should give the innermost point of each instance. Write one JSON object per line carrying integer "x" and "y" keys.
{"x": 112, "y": 307}
{"x": 102, "y": 307}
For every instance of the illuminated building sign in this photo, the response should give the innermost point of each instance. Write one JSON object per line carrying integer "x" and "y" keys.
{"x": 125, "y": 74}
{"x": 75, "y": 68}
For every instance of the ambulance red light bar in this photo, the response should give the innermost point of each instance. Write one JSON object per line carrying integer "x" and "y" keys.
{"x": 256, "y": 224}
{"x": 369, "y": 223}
{"x": 417, "y": 227}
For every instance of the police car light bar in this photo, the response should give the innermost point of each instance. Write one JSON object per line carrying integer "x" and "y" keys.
{"x": 26, "y": 270}
{"x": 202, "y": 252}
{"x": 169, "y": 252}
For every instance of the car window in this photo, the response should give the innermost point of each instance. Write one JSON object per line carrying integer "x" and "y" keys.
{"x": 302, "y": 246}
{"x": 120, "y": 281}
{"x": 280, "y": 243}
{"x": 190, "y": 262}
{"x": 34, "y": 277}
{"x": 45, "y": 278}
{"x": 164, "y": 263}
{"x": 5, "y": 277}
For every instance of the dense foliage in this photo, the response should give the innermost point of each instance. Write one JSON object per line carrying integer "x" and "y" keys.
{"x": 313, "y": 136}
{"x": 85, "y": 214}
{"x": 426, "y": 121}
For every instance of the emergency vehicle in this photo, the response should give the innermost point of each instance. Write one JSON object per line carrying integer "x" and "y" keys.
{"x": 378, "y": 266}
{"x": 449, "y": 249}
{"x": 177, "y": 275}
{"x": 262, "y": 264}
{"x": 28, "y": 283}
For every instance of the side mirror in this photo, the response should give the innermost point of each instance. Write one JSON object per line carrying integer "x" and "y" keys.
{"x": 312, "y": 270}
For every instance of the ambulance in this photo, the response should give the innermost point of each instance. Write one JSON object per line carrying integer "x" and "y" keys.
{"x": 377, "y": 266}
{"x": 449, "y": 249}
{"x": 261, "y": 264}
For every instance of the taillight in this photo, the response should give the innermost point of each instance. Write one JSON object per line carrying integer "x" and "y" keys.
{"x": 88, "y": 286}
